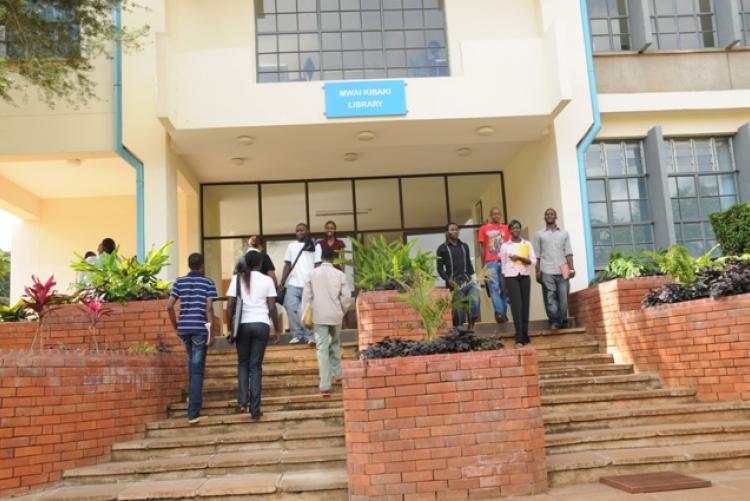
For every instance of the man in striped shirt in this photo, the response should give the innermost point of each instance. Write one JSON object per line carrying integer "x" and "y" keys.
{"x": 196, "y": 294}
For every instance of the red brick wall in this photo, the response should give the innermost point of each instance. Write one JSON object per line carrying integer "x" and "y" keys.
{"x": 444, "y": 426}
{"x": 63, "y": 410}
{"x": 381, "y": 314}
{"x": 127, "y": 325}
{"x": 702, "y": 344}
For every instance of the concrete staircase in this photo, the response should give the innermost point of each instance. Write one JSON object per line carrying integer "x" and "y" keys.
{"x": 601, "y": 418}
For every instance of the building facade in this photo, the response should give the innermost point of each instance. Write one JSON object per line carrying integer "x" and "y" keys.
{"x": 390, "y": 117}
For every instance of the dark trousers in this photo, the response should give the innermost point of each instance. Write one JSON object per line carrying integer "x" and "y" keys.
{"x": 195, "y": 346}
{"x": 555, "y": 290}
{"x": 251, "y": 344}
{"x": 518, "y": 289}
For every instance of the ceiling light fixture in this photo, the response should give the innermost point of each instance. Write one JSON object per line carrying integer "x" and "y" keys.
{"x": 463, "y": 152}
{"x": 74, "y": 161}
{"x": 246, "y": 140}
{"x": 351, "y": 157}
{"x": 365, "y": 135}
{"x": 485, "y": 130}
{"x": 238, "y": 161}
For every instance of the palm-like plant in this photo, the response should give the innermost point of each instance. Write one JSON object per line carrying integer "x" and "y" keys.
{"x": 42, "y": 299}
{"x": 382, "y": 265}
{"x": 421, "y": 295}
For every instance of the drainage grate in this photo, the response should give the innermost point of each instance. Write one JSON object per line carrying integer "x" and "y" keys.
{"x": 654, "y": 482}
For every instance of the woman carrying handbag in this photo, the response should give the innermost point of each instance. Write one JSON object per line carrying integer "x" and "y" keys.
{"x": 252, "y": 307}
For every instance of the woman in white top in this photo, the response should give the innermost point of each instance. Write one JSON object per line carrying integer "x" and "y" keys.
{"x": 258, "y": 309}
{"x": 518, "y": 259}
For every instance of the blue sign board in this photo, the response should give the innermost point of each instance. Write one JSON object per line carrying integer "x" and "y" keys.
{"x": 371, "y": 98}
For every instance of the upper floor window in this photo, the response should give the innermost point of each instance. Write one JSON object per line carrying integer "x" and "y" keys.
{"x": 619, "y": 207}
{"x": 58, "y": 19}
{"x": 683, "y": 24}
{"x": 302, "y": 40}
{"x": 702, "y": 180}
{"x": 610, "y": 29}
{"x": 745, "y": 16}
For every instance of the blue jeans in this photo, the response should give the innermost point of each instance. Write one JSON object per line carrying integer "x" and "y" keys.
{"x": 555, "y": 292}
{"x": 495, "y": 288}
{"x": 292, "y": 303}
{"x": 251, "y": 348}
{"x": 195, "y": 345}
{"x": 470, "y": 290}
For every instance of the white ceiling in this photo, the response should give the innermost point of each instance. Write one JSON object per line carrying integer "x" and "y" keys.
{"x": 317, "y": 151}
{"x": 92, "y": 177}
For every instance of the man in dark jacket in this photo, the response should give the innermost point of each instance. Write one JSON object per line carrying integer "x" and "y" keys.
{"x": 454, "y": 266}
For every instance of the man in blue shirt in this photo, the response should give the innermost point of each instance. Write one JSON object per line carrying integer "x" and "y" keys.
{"x": 196, "y": 294}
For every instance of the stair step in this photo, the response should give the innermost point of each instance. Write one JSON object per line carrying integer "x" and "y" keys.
{"x": 188, "y": 444}
{"x": 323, "y": 484}
{"x": 653, "y": 435}
{"x": 227, "y": 390}
{"x": 209, "y": 465}
{"x": 617, "y": 400}
{"x": 211, "y": 425}
{"x": 584, "y": 467}
{"x": 585, "y": 371}
{"x": 283, "y": 354}
{"x": 560, "y": 422}
{"x": 287, "y": 403}
{"x": 599, "y": 384}
{"x": 565, "y": 348}
{"x": 575, "y": 359}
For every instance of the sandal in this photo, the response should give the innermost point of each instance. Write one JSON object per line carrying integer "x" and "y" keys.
{"x": 325, "y": 393}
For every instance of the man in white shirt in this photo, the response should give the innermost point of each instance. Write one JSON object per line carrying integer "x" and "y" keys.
{"x": 298, "y": 263}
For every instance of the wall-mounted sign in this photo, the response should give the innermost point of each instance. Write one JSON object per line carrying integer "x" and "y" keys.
{"x": 370, "y": 98}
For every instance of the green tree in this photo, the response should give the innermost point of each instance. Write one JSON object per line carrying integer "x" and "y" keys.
{"x": 4, "y": 277}
{"x": 51, "y": 45}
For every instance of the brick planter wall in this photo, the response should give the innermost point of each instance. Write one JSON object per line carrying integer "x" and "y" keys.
{"x": 127, "y": 325}
{"x": 64, "y": 410}
{"x": 381, "y": 314}
{"x": 455, "y": 426}
{"x": 702, "y": 344}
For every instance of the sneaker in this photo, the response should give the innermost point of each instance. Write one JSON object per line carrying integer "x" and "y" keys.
{"x": 196, "y": 419}
{"x": 311, "y": 342}
{"x": 294, "y": 340}
{"x": 256, "y": 417}
{"x": 519, "y": 345}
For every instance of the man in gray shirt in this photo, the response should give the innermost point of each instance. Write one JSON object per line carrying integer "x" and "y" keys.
{"x": 554, "y": 268}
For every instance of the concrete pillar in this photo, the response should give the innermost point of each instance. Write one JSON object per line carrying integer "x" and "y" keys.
{"x": 728, "y": 23}
{"x": 640, "y": 24}
{"x": 742, "y": 161}
{"x": 657, "y": 165}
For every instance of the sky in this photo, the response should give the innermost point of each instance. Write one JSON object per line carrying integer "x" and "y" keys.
{"x": 6, "y": 223}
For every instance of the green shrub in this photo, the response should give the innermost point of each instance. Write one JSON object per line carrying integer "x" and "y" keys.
{"x": 420, "y": 294}
{"x": 639, "y": 264}
{"x": 732, "y": 229}
{"x": 680, "y": 265}
{"x": 379, "y": 265}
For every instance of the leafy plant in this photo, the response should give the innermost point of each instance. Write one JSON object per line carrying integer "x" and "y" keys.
{"x": 4, "y": 277}
{"x": 732, "y": 229}
{"x": 379, "y": 265}
{"x": 95, "y": 310}
{"x": 457, "y": 341}
{"x": 421, "y": 295}
{"x": 725, "y": 277}
{"x": 143, "y": 348}
{"x": 42, "y": 299}
{"x": 16, "y": 313}
{"x": 639, "y": 264}
{"x": 679, "y": 264}
{"x": 122, "y": 280}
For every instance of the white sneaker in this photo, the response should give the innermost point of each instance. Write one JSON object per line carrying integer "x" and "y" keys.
{"x": 311, "y": 342}
{"x": 294, "y": 340}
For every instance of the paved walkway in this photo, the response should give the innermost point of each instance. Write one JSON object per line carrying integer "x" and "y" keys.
{"x": 727, "y": 486}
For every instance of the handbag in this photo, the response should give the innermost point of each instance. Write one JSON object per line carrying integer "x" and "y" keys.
{"x": 282, "y": 293}
{"x": 234, "y": 324}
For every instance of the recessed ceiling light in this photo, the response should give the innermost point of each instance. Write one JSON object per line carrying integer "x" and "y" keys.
{"x": 366, "y": 135}
{"x": 351, "y": 157}
{"x": 485, "y": 130}
{"x": 74, "y": 161}
{"x": 463, "y": 152}
{"x": 238, "y": 161}
{"x": 246, "y": 140}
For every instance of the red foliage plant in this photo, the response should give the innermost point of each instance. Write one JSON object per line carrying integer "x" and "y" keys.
{"x": 42, "y": 299}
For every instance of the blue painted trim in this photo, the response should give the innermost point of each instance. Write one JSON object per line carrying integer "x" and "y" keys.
{"x": 121, "y": 150}
{"x": 584, "y": 144}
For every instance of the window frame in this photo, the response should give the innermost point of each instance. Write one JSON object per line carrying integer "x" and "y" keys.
{"x": 622, "y": 18}
{"x": 675, "y": 16}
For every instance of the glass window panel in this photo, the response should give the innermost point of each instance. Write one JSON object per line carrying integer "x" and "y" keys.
{"x": 230, "y": 210}
{"x": 727, "y": 185}
{"x": 594, "y": 164}
{"x": 331, "y": 200}
{"x": 727, "y": 202}
{"x": 637, "y": 188}
{"x": 392, "y": 4}
{"x": 709, "y": 185}
{"x": 267, "y": 44}
{"x": 394, "y": 40}
{"x": 598, "y": 213}
{"x": 696, "y": 248}
{"x": 686, "y": 186}
{"x": 640, "y": 211}
{"x": 287, "y": 22}
{"x": 703, "y": 156}
{"x": 710, "y": 205}
{"x": 329, "y": 4}
{"x": 268, "y": 77}
{"x": 330, "y": 21}
{"x": 372, "y": 21}
{"x": 307, "y": 5}
{"x": 283, "y": 207}
{"x": 370, "y": 4}
{"x": 350, "y": 5}
{"x": 350, "y": 21}
{"x": 353, "y": 60}
{"x": 308, "y": 22}
{"x": 269, "y": 6}
{"x": 620, "y": 212}
{"x": 393, "y": 19}
{"x": 351, "y": 40}
{"x": 414, "y": 38}
{"x": 601, "y": 256}
{"x": 596, "y": 191}
{"x": 221, "y": 258}
{"x": 267, "y": 23}
{"x": 682, "y": 156}
{"x": 643, "y": 234}
{"x": 332, "y": 60}
{"x": 434, "y": 18}
{"x": 288, "y": 43}
{"x": 692, "y": 231}
{"x": 309, "y": 42}
{"x": 621, "y": 235}
{"x": 289, "y": 62}
{"x": 395, "y": 58}
{"x": 675, "y": 209}
{"x": 618, "y": 189}
{"x": 633, "y": 157}
{"x": 689, "y": 209}
{"x": 472, "y": 194}
{"x": 331, "y": 41}
{"x": 424, "y": 202}
{"x": 378, "y": 204}
{"x": 678, "y": 232}
{"x": 708, "y": 231}
{"x": 613, "y": 155}
{"x": 374, "y": 59}
{"x": 413, "y": 19}
{"x": 427, "y": 242}
{"x": 723, "y": 155}
{"x": 286, "y": 5}
{"x": 602, "y": 236}
{"x": 372, "y": 40}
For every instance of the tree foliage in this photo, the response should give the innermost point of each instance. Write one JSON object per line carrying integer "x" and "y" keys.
{"x": 732, "y": 229}
{"x": 4, "y": 277}
{"x": 51, "y": 45}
